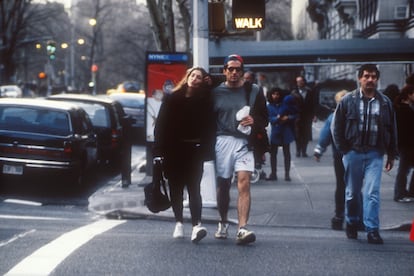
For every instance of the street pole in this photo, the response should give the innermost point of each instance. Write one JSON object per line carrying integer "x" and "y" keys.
{"x": 200, "y": 34}
{"x": 201, "y": 58}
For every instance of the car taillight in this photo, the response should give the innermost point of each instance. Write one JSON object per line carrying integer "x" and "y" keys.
{"x": 115, "y": 138}
{"x": 67, "y": 148}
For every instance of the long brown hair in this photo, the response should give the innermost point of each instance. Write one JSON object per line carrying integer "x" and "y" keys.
{"x": 183, "y": 82}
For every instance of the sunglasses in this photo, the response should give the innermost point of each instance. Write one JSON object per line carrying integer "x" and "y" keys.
{"x": 237, "y": 69}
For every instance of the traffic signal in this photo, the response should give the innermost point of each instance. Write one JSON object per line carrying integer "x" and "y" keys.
{"x": 248, "y": 14}
{"x": 216, "y": 18}
{"x": 51, "y": 49}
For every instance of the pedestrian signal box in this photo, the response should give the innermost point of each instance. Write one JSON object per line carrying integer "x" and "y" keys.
{"x": 248, "y": 14}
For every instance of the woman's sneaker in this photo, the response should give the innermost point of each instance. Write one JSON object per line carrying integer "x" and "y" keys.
{"x": 178, "y": 231}
{"x": 245, "y": 236}
{"x": 222, "y": 229}
{"x": 199, "y": 232}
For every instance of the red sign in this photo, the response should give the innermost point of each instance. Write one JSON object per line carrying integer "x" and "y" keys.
{"x": 164, "y": 71}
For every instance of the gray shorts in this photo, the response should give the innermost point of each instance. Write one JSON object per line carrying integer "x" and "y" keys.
{"x": 232, "y": 155}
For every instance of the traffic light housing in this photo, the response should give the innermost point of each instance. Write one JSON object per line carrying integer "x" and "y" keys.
{"x": 51, "y": 49}
{"x": 248, "y": 14}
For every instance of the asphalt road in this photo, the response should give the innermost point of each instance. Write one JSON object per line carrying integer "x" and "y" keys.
{"x": 78, "y": 244}
{"x": 64, "y": 238}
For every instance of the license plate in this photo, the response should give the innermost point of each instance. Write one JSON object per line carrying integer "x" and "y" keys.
{"x": 9, "y": 169}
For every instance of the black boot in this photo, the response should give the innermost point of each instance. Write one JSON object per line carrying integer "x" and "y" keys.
{"x": 272, "y": 176}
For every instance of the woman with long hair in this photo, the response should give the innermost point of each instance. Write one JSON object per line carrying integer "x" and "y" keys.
{"x": 184, "y": 139}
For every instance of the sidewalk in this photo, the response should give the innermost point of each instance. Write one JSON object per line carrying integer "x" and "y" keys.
{"x": 307, "y": 201}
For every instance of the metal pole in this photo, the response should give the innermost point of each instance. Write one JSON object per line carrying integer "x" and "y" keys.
{"x": 200, "y": 34}
{"x": 201, "y": 58}
{"x": 72, "y": 58}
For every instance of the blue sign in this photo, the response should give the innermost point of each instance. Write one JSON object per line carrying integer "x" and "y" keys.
{"x": 167, "y": 57}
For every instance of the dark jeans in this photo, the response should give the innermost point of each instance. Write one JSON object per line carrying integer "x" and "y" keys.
{"x": 303, "y": 132}
{"x": 400, "y": 187}
{"x": 340, "y": 186}
{"x": 273, "y": 158}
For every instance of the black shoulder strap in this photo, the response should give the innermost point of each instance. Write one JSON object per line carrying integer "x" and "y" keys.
{"x": 248, "y": 87}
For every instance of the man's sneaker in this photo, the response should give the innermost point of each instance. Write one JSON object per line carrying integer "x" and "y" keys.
{"x": 199, "y": 232}
{"x": 221, "y": 232}
{"x": 245, "y": 236}
{"x": 178, "y": 231}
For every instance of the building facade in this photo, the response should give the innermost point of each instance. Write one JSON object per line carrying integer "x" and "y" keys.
{"x": 355, "y": 19}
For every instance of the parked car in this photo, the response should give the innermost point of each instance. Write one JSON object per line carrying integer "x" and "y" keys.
{"x": 10, "y": 91}
{"x": 40, "y": 138}
{"x": 134, "y": 106}
{"x": 106, "y": 115}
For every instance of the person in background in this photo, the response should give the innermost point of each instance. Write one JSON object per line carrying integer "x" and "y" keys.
{"x": 325, "y": 139}
{"x": 249, "y": 76}
{"x": 410, "y": 79}
{"x": 392, "y": 91}
{"x": 260, "y": 150}
{"x": 282, "y": 115}
{"x": 405, "y": 118}
{"x": 308, "y": 103}
{"x": 184, "y": 139}
{"x": 233, "y": 153}
{"x": 363, "y": 131}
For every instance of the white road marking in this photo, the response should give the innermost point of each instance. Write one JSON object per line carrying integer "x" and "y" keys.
{"x": 44, "y": 260}
{"x": 30, "y": 217}
{"x": 24, "y": 202}
{"x": 15, "y": 237}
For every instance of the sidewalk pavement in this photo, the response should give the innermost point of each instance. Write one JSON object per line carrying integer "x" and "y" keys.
{"x": 307, "y": 201}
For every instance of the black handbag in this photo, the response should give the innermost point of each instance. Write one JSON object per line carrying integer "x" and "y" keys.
{"x": 156, "y": 196}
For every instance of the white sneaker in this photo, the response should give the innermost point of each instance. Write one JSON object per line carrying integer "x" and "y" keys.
{"x": 199, "y": 232}
{"x": 178, "y": 231}
{"x": 245, "y": 236}
{"x": 222, "y": 229}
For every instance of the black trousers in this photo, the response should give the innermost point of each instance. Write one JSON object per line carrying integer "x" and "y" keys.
{"x": 286, "y": 157}
{"x": 340, "y": 186}
{"x": 186, "y": 171}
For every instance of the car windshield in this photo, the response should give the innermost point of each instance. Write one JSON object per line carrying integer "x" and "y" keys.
{"x": 98, "y": 114}
{"x": 34, "y": 120}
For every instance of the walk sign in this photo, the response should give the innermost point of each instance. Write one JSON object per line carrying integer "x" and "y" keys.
{"x": 248, "y": 14}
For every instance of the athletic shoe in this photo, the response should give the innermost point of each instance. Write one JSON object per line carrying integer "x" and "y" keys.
{"x": 199, "y": 232}
{"x": 222, "y": 229}
{"x": 245, "y": 236}
{"x": 178, "y": 231}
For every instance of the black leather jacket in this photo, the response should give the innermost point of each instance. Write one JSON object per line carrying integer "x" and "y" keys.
{"x": 345, "y": 129}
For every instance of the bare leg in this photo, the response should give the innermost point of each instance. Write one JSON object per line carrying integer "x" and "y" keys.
{"x": 243, "y": 203}
{"x": 223, "y": 197}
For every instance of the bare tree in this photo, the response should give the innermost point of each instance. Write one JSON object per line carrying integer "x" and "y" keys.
{"x": 164, "y": 24}
{"x": 12, "y": 29}
{"x": 23, "y": 24}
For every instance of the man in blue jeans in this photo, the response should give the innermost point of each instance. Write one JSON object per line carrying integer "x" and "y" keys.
{"x": 364, "y": 131}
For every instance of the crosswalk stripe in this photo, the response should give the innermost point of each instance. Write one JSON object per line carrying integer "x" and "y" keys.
{"x": 44, "y": 260}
